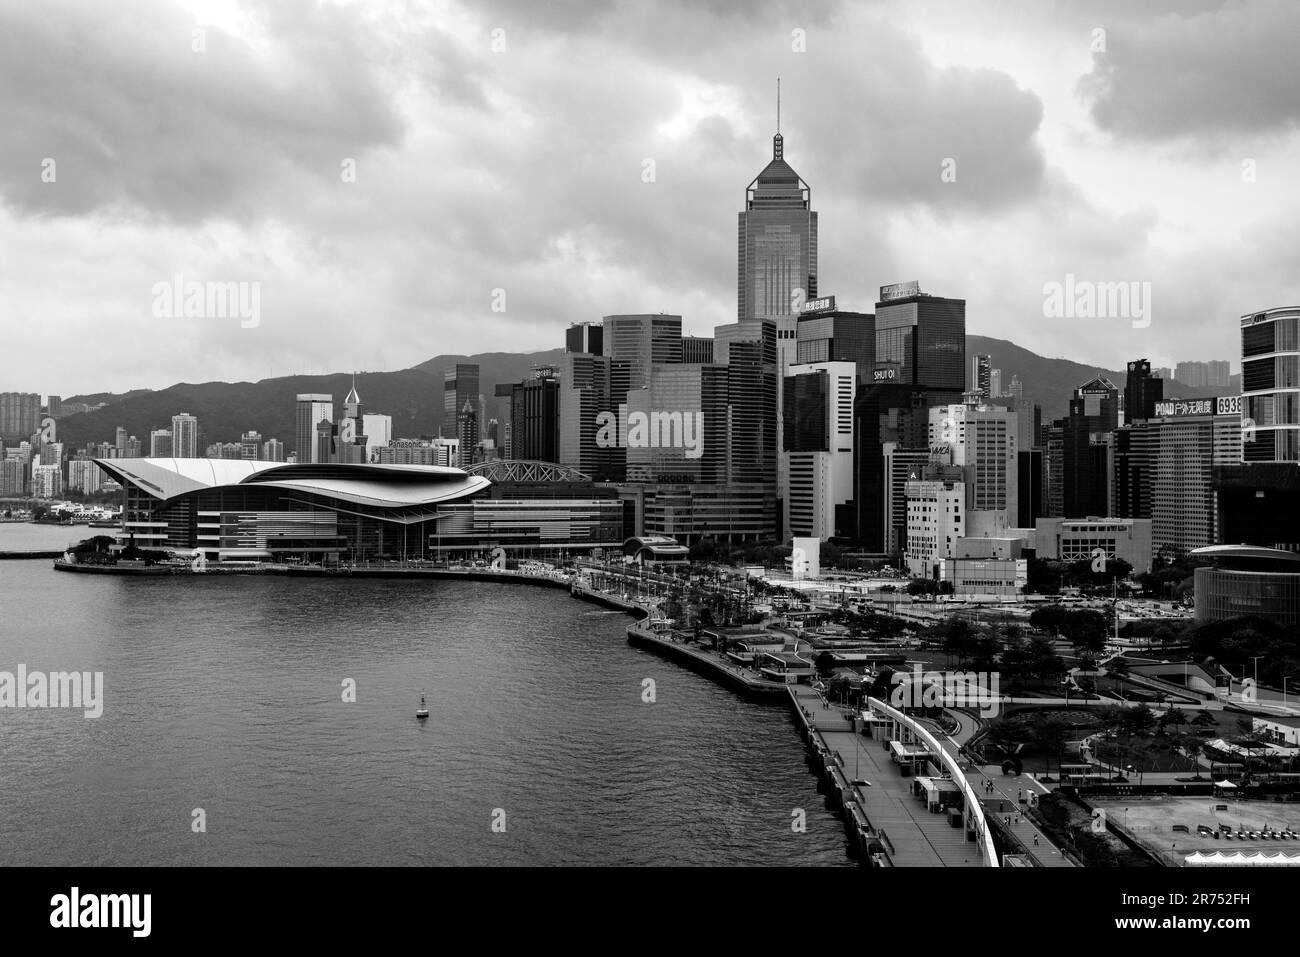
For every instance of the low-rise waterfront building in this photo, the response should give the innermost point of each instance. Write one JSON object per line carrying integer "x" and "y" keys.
{"x": 328, "y": 512}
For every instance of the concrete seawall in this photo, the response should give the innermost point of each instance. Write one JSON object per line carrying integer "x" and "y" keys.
{"x": 868, "y": 846}
{"x": 705, "y": 663}
{"x": 499, "y": 576}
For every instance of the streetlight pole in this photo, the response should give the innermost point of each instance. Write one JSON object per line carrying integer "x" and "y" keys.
{"x": 1255, "y": 659}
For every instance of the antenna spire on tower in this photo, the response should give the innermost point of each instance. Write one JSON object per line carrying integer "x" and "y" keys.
{"x": 778, "y": 104}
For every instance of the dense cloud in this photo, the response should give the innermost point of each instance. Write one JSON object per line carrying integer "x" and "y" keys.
{"x": 1217, "y": 76}
{"x": 504, "y": 148}
{"x": 142, "y": 116}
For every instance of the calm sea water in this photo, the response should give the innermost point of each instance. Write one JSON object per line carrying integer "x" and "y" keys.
{"x": 226, "y": 694}
{"x": 29, "y": 537}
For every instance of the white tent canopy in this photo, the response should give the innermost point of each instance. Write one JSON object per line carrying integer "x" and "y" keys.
{"x": 1241, "y": 859}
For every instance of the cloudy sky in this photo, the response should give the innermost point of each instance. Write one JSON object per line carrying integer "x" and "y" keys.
{"x": 384, "y": 172}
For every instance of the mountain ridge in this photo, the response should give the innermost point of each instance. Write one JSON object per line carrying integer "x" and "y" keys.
{"x": 413, "y": 396}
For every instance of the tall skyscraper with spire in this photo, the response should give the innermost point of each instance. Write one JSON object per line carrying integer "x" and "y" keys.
{"x": 777, "y": 268}
{"x": 351, "y": 444}
{"x": 777, "y": 242}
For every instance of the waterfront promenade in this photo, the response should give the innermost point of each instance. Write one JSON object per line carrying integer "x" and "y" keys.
{"x": 912, "y": 835}
{"x": 706, "y": 661}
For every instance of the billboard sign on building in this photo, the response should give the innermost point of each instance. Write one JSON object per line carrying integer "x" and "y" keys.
{"x": 824, "y": 304}
{"x": 900, "y": 290}
{"x": 1229, "y": 405}
{"x": 1216, "y": 405}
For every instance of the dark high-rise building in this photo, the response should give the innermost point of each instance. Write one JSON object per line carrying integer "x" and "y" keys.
{"x": 922, "y": 336}
{"x": 827, "y": 334}
{"x": 806, "y": 424}
{"x": 586, "y": 337}
{"x": 1030, "y": 504}
{"x": 1134, "y": 464}
{"x": 1053, "y": 444}
{"x": 467, "y": 433}
{"x": 980, "y": 375}
{"x": 460, "y": 385}
{"x": 1142, "y": 391}
{"x": 748, "y": 350}
{"x": 890, "y": 414}
{"x": 776, "y": 243}
{"x": 1093, "y": 410}
{"x": 535, "y": 417}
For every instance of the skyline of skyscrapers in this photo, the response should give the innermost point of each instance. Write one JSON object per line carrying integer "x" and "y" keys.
{"x": 838, "y": 413}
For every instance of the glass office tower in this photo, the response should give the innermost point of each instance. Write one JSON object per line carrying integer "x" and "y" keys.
{"x": 777, "y": 242}
{"x": 924, "y": 337}
{"x": 1270, "y": 384}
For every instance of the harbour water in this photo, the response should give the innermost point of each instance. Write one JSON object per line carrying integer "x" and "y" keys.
{"x": 226, "y": 694}
{"x": 31, "y": 537}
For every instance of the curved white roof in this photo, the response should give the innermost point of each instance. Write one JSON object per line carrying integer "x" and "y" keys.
{"x": 1245, "y": 551}
{"x": 385, "y": 486}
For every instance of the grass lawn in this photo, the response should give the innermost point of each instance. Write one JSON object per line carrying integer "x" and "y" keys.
{"x": 1147, "y": 753}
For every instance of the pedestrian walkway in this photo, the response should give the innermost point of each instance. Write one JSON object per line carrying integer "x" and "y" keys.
{"x": 916, "y": 837}
{"x": 1005, "y": 797}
